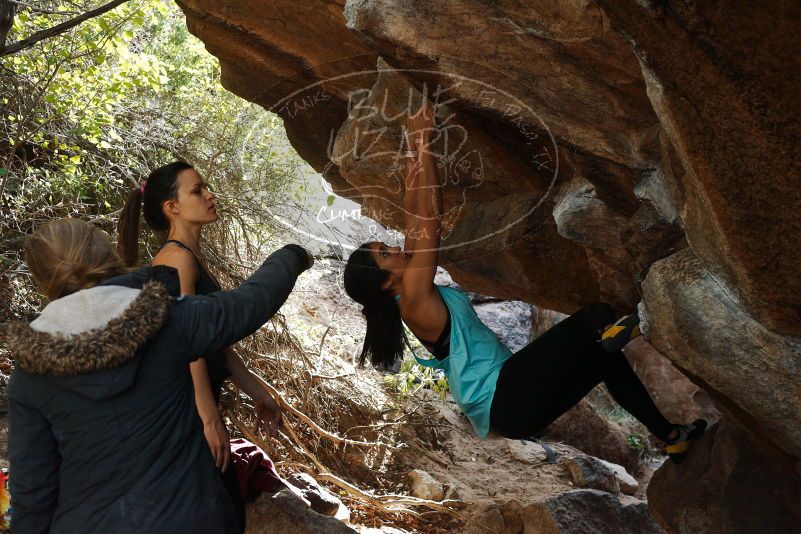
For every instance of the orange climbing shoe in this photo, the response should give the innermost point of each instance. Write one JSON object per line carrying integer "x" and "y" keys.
{"x": 676, "y": 448}
{"x": 619, "y": 334}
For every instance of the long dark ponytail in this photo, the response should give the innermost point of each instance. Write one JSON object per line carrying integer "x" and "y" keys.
{"x": 161, "y": 185}
{"x": 383, "y": 342}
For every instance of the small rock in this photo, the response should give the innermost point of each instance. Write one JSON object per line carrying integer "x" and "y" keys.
{"x": 453, "y": 494}
{"x": 588, "y": 510}
{"x": 589, "y": 472}
{"x": 322, "y": 501}
{"x": 284, "y": 511}
{"x": 425, "y": 486}
{"x": 628, "y": 484}
{"x": 526, "y": 451}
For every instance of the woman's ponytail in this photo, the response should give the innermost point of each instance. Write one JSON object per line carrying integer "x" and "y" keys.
{"x": 383, "y": 341}
{"x": 128, "y": 228}
{"x": 161, "y": 185}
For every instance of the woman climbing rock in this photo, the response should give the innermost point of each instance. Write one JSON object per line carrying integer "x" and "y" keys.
{"x": 104, "y": 434}
{"x": 517, "y": 395}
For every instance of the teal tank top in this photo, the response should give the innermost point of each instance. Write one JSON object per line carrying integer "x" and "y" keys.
{"x": 474, "y": 361}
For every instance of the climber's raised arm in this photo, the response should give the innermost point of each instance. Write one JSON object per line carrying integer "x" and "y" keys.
{"x": 424, "y": 194}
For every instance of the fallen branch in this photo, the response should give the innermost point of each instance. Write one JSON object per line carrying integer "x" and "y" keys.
{"x": 339, "y": 440}
{"x": 384, "y": 502}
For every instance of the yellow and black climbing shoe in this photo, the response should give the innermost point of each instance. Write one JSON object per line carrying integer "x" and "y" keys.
{"x": 619, "y": 334}
{"x": 676, "y": 448}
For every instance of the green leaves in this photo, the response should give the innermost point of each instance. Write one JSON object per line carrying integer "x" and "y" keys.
{"x": 413, "y": 377}
{"x": 95, "y": 109}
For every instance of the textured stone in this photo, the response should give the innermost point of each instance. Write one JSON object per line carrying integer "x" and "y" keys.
{"x": 735, "y": 120}
{"x": 584, "y": 218}
{"x": 526, "y": 451}
{"x": 589, "y": 472}
{"x": 722, "y": 134}
{"x": 584, "y": 511}
{"x": 628, "y": 484}
{"x": 590, "y": 511}
{"x": 286, "y": 512}
{"x": 425, "y": 486}
{"x": 557, "y": 45}
{"x": 730, "y": 482}
{"x": 676, "y": 396}
{"x": 584, "y": 428}
{"x": 322, "y": 501}
{"x": 696, "y": 321}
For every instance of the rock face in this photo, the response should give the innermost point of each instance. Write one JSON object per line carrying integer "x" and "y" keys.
{"x": 695, "y": 320}
{"x": 585, "y": 511}
{"x": 622, "y": 150}
{"x": 709, "y": 491}
{"x": 587, "y": 430}
{"x": 286, "y": 512}
{"x": 676, "y": 396}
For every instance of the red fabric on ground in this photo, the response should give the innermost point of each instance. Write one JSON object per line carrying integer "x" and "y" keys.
{"x": 254, "y": 469}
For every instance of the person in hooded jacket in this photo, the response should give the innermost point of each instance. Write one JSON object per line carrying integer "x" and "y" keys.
{"x": 104, "y": 435}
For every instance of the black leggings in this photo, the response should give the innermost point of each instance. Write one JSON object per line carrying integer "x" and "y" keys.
{"x": 554, "y": 372}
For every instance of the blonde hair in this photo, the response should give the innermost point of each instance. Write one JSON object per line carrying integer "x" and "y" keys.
{"x": 67, "y": 255}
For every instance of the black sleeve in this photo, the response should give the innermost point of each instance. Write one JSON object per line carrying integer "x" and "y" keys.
{"x": 35, "y": 460}
{"x": 211, "y": 322}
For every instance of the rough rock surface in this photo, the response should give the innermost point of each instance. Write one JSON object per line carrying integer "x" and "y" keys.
{"x": 584, "y": 511}
{"x": 676, "y": 396}
{"x": 611, "y": 97}
{"x": 713, "y": 489}
{"x": 587, "y": 430}
{"x": 594, "y": 473}
{"x": 526, "y": 451}
{"x": 667, "y": 129}
{"x": 589, "y": 472}
{"x": 697, "y": 322}
{"x": 628, "y": 484}
{"x": 286, "y": 512}
{"x": 425, "y": 486}
{"x": 322, "y": 501}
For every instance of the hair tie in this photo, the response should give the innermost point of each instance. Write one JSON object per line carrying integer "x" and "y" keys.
{"x": 142, "y": 187}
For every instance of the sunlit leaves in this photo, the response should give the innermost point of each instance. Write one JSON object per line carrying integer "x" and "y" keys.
{"x": 87, "y": 114}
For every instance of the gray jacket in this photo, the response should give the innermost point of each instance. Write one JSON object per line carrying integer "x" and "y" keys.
{"x": 104, "y": 435}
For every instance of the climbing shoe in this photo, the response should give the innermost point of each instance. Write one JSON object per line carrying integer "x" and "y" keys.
{"x": 676, "y": 448}
{"x": 616, "y": 336}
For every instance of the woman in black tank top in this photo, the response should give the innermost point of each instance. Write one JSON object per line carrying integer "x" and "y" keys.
{"x": 176, "y": 201}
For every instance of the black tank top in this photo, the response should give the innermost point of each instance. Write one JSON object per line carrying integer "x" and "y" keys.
{"x": 440, "y": 348}
{"x": 218, "y": 370}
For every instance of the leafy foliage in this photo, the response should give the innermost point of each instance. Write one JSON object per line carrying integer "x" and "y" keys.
{"x": 86, "y": 115}
{"x": 413, "y": 377}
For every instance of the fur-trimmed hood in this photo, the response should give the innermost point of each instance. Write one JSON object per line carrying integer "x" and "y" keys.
{"x": 89, "y": 340}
